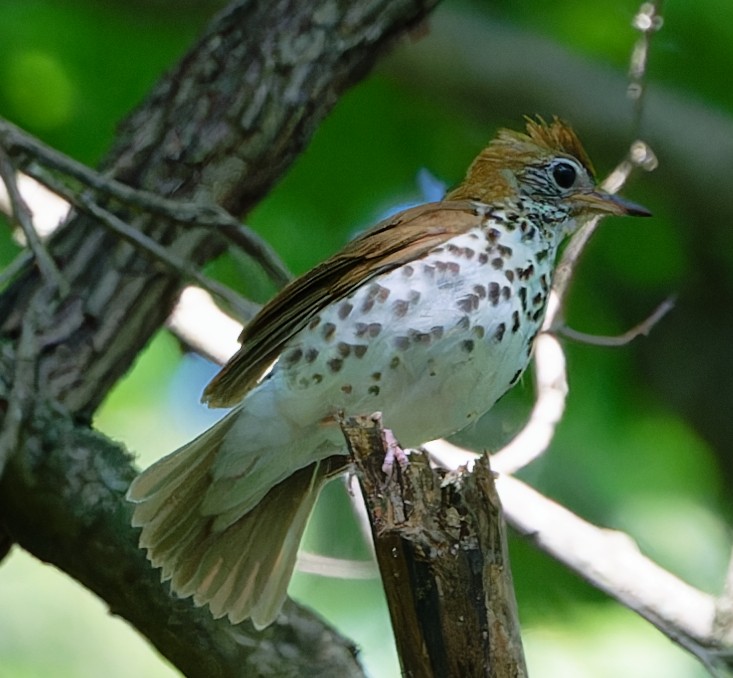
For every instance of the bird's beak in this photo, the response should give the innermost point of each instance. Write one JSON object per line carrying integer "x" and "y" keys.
{"x": 601, "y": 202}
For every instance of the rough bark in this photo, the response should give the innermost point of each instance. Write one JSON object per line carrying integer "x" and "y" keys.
{"x": 220, "y": 128}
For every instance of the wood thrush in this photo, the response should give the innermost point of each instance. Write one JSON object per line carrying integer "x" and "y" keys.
{"x": 428, "y": 318}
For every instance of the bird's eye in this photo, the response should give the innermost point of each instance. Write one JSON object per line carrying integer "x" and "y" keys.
{"x": 564, "y": 174}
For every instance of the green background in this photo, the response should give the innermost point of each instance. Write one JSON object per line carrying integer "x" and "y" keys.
{"x": 645, "y": 443}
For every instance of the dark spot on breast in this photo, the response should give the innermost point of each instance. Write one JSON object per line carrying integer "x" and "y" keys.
{"x": 344, "y": 349}
{"x": 407, "y": 270}
{"x": 314, "y": 323}
{"x": 399, "y": 308}
{"x": 523, "y": 297}
{"x": 544, "y": 283}
{"x": 360, "y": 350}
{"x": 493, "y": 235}
{"x": 515, "y": 321}
{"x": 293, "y": 357}
{"x": 413, "y": 296}
{"x": 335, "y": 364}
{"x": 469, "y": 253}
{"x": 373, "y": 390}
{"x": 328, "y": 330}
{"x": 394, "y": 363}
{"x": 478, "y": 331}
{"x": 436, "y": 331}
{"x": 497, "y": 263}
{"x": 367, "y": 305}
{"x": 376, "y": 376}
{"x": 344, "y": 310}
{"x": 374, "y": 329}
{"x": 538, "y": 298}
{"x": 401, "y": 343}
{"x": 505, "y": 251}
{"x": 360, "y": 329}
{"x": 420, "y": 337}
{"x": 311, "y": 354}
{"x": 480, "y": 291}
{"x": 383, "y": 293}
{"x": 483, "y": 257}
{"x": 509, "y": 275}
{"x": 468, "y": 345}
{"x": 529, "y": 234}
{"x": 468, "y": 303}
{"x": 317, "y": 378}
{"x": 499, "y": 332}
{"x": 347, "y": 388}
{"x": 538, "y": 314}
{"x": 494, "y": 292}
{"x": 506, "y": 292}
{"x": 428, "y": 271}
{"x": 542, "y": 255}
{"x": 525, "y": 273}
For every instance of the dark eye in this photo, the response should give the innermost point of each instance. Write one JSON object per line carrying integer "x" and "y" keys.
{"x": 564, "y": 174}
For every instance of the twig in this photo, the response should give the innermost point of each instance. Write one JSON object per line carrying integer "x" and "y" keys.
{"x": 15, "y": 267}
{"x": 82, "y": 201}
{"x": 208, "y": 215}
{"x": 648, "y": 21}
{"x": 24, "y": 218}
{"x": 642, "y": 329}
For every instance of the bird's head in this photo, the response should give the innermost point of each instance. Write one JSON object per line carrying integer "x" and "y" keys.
{"x": 547, "y": 167}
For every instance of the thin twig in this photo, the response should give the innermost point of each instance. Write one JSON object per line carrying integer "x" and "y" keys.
{"x": 245, "y": 309}
{"x": 204, "y": 215}
{"x": 642, "y": 329}
{"x": 23, "y": 217}
{"x": 648, "y": 20}
{"x": 15, "y": 267}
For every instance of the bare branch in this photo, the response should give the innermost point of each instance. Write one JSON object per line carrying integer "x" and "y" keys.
{"x": 183, "y": 267}
{"x": 209, "y": 215}
{"x": 648, "y": 21}
{"x": 24, "y": 218}
{"x": 642, "y": 329}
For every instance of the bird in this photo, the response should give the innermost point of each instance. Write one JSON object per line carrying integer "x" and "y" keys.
{"x": 428, "y": 318}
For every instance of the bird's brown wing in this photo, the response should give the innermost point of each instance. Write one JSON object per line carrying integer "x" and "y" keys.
{"x": 402, "y": 238}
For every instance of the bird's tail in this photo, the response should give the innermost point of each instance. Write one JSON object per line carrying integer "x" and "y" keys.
{"x": 242, "y": 570}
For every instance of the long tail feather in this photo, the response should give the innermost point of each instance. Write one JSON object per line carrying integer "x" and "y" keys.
{"x": 241, "y": 571}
